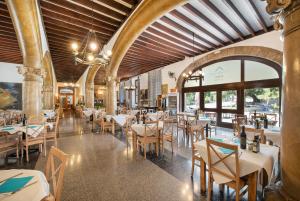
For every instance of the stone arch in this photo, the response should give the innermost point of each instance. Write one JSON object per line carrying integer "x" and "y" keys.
{"x": 89, "y": 85}
{"x": 270, "y": 54}
{"x": 48, "y": 82}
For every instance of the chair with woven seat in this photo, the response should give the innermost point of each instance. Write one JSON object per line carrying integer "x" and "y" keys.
{"x": 106, "y": 124}
{"x": 197, "y": 134}
{"x": 226, "y": 166}
{"x": 55, "y": 169}
{"x": 150, "y": 136}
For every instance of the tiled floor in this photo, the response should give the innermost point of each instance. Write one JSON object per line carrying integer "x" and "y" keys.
{"x": 102, "y": 168}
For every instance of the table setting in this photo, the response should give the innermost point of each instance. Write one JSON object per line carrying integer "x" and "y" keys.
{"x": 20, "y": 184}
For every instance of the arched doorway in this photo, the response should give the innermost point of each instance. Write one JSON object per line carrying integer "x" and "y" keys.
{"x": 234, "y": 85}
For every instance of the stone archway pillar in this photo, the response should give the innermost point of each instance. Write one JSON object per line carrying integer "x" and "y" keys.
{"x": 89, "y": 93}
{"x": 111, "y": 95}
{"x": 289, "y": 20}
{"x": 48, "y": 97}
{"x": 25, "y": 18}
{"x": 32, "y": 88}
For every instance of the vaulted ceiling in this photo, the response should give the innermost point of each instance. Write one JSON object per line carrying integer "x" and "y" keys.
{"x": 193, "y": 29}
{"x": 66, "y": 21}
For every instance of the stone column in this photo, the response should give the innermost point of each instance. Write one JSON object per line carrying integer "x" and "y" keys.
{"x": 48, "y": 97}
{"x": 289, "y": 20}
{"x": 111, "y": 95}
{"x": 89, "y": 94}
{"x": 32, "y": 90}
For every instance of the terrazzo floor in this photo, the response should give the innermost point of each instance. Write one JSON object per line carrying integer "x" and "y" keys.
{"x": 102, "y": 168}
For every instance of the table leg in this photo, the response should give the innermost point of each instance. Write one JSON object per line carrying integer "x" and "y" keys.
{"x": 113, "y": 127}
{"x": 202, "y": 177}
{"x": 252, "y": 186}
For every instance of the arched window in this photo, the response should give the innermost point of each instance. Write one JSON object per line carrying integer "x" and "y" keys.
{"x": 234, "y": 85}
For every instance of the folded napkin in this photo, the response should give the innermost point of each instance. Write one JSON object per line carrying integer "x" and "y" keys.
{"x": 7, "y": 128}
{"x": 14, "y": 184}
{"x": 225, "y": 151}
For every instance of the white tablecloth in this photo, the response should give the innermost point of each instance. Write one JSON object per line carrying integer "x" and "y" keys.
{"x": 249, "y": 161}
{"x": 33, "y": 130}
{"x": 272, "y": 133}
{"x": 87, "y": 113}
{"x": 50, "y": 114}
{"x": 35, "y": 192}
{"x": 139, "y": 129}
{"x": 155, "y": 116}
{"x": 121, "y": 119}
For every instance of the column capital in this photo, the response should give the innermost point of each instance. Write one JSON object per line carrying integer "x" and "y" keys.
{"x": 281, "y": 8}
{"x": 47, "y": 88}
{"x": 24, "y": 70}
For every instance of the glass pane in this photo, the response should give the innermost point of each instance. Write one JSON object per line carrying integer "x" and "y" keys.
{"x": 227, "y": 117}
{"x": 259, "y": 71}
{"x": 222, "y": 72}
{"x": 210, "y": 99}
{"x": 191, "y": 101}
{"x": 262, "y": 100}
{"x": 229, "y": 99}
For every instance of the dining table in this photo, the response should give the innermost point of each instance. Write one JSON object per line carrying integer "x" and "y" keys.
{"x": 36, "y": 189}
{"x": 252, "y": 164}
{"x": 33, "y": 130}
{"x": 271, "y": 133}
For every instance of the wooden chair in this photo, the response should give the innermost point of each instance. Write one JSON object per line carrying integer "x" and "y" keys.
{"x": 251, "y": 132}
{"x": 8, "y": 143}
{"x": 197, "y": 135}
{"x": 181, "y": 124}
{"x": 151, "y": 136}
{"x": 167, "y": 133}
{"x": 31, "y": 141}
{"x": 235, "y": 127}
{"x": 219, "y": 163}
{"x": 128, "y": 131}
{"x": 55, "y": 170}
{"x": 106, "y": 125}
{"x": 53, "y": 134}
{"x": 213, "y": 122}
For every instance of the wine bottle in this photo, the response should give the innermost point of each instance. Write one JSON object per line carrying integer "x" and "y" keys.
{"x": 24, "y": 120}
{"x": 243, "y": 137}
{"x": 266, "y": 122}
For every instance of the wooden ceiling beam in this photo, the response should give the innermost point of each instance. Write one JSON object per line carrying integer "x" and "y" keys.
{"x": 224, "y": 17}
{"x": 78, "y": 23}
{"x": 153, "y": 49}
{"x": 184, "y": 18}
{"x": 152, "y": 44}
{"x": 167, "y": 43}
{"x": 187, "y": 31}
{"x": 132, "y": 57}
{"x": 260, "y": 19}
{"x": 70, "y": 13}
{"x": 185, "y": 45}
{"x": 178, "y": 35}
{"x": 99, "y": 8}
{"x": 84, "y": 11}
{"x": 246, "y": 23}
{"x": 197, "y": 13}
{"x": 116, "y": 5}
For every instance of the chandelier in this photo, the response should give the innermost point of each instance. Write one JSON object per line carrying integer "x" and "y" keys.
{"x": 90, "y": 51}
{"x": 198, "y": 75}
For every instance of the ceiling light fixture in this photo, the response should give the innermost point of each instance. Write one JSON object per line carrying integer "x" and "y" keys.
{"x": 90, "y": 51}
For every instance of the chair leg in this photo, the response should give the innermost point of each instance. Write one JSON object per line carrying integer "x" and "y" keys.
{"x": 27, "y": 155}
{"x": 22, "y": 151}
{"x": 144, "y": 147}
{"x": 45, "y": 148}
{"x": 157, "y": 148}
{"x": 237, "y": 194}
{"x": 209, "y": 196}
{"x": 17, "y": 151}
{"x": 193, "y": 166}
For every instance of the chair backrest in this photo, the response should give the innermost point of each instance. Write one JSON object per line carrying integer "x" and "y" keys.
{"x": 2, "y": 121}
{"x": 151, "y": 128}
{"x": 34, "y": 130}
{"x": 55, "y": 169}
{"x": 168, "y": 127}
{"x": 180, "y": 119}
{"x": 251, "y": 132}
{"x": 197, "y": 133}
{"x": 227, "y": 165}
